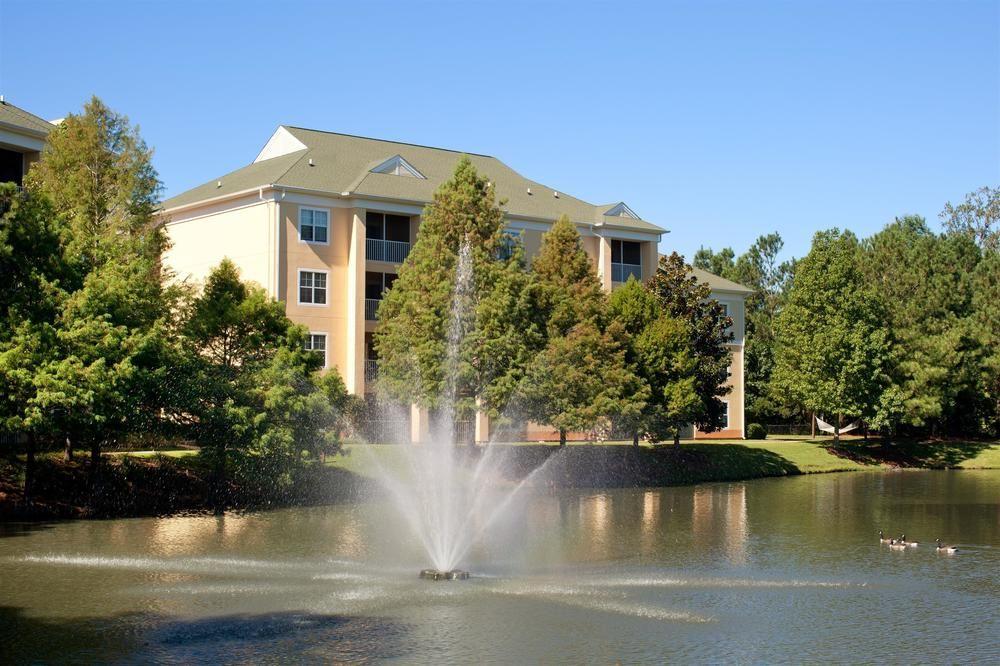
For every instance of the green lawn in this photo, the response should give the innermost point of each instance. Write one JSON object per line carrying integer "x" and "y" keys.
{"x": 618, "y": 463}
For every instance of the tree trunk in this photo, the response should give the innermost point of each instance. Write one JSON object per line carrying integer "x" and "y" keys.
{"x": 836, "y": 430}
{"x": 29, "y": 469}
{"x": 68, "y": 450}
{"x": 865, "y": 429}
{"x": 219, "y": 483}
{"x": 812, "y": 422}
{"x": 95, "y": 461}
{"x": 677, "y": 439}
{"x": 635, "y": 439}
{"x": 562, "y": 437}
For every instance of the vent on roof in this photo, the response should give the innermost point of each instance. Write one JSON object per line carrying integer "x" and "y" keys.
{"x": 397, "y": 166}
{"x": 621, "y": 210}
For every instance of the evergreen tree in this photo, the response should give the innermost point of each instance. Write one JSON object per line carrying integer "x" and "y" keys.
{"x": 924, "y": 285}
{"x": 978, "y": 217}
{"x": 568, "y": 291}
{"x": 236, "y": 332}
{"x": 569, "y": 385}
{"x": 658, "y": 349}
{"x": 581, "y": 381}
{"x": 495, "y": 331}
{"x": 98, "y": 174}
{"x": 832, "y": 348}
{"x": 682, "y": 297}
{"x": 768, "y": 278}
{"x": 986, "y": 320}
{"x": 31, "y": 271}
{"x": 721, "y": 263}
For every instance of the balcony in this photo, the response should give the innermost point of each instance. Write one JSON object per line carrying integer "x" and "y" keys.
{"x": 621, "y": 272}
{"x": 371, "y": 308}
{"x": 371, "y": 370}
{"x": 393, "y": 252}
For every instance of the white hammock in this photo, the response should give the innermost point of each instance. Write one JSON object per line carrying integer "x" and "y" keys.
{"x": 826, "y": 427}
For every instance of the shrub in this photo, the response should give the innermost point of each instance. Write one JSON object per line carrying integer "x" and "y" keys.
{"x": 756, "y": 431}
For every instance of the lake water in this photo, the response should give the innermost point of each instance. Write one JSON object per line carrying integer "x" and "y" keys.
{"x": 779, "y": 570}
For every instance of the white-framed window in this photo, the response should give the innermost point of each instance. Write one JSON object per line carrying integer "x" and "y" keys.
{"x": 725, "y": 415}
{"x": 314, "y": 225}
{"x": 312, "y": 287}
{"x": 316, "y": 342}
{"x": 508, "y": 242}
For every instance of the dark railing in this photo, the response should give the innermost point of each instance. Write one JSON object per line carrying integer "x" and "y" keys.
{"x": 371, "y": 308}
{"x": 371, "y": 370}
{"x": 7, "y": 198}
{"x": 393, "y": 252}
{"x": 621, "y": 272}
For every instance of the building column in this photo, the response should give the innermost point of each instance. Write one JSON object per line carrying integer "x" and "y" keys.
{"x": 420, "y": 424}
{"x": 354, "y": 375}
{"x": 604, "y": 262}
{"x": 482, "y": 427}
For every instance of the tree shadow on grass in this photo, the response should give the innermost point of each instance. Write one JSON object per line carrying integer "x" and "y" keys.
{"x": 615, "y": 466}
{"x": 288, "y": 636}
{"x": 938, "y": 454}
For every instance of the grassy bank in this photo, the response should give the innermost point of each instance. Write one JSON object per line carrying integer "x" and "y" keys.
{"x": 620, "y": 464}
{"x": 140, "y": 483}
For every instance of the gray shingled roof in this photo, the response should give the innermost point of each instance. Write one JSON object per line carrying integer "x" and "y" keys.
{"x": 18, "y": 118}
{"x": 343, "y": 163}
{"x": 719, "y": 283}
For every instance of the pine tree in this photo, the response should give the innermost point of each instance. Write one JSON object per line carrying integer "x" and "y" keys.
{"x": 986, "y": 320}
{"x": 924, "y": 285}
{"x": 978, "y": 217}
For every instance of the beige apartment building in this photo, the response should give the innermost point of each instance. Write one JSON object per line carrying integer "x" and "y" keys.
{"x": 323, "y": 221}
{"x": 22, "y": 137}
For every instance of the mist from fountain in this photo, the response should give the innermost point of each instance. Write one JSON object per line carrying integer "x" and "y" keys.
{"x": 450, "y": 493}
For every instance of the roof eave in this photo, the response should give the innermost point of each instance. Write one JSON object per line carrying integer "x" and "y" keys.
{"x": 21, "y": 129}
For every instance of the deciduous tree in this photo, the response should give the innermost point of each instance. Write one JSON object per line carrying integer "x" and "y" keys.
{"x": 682, "y": 296}
{"x": 832, "y": 348}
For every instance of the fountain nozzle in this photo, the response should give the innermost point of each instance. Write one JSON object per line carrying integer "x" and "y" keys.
{"x": 435, "y": 574}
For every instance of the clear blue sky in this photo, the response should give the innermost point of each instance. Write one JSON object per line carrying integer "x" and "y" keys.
{"x": 718, "y": 121}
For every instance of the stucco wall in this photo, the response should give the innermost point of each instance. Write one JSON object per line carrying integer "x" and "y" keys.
{"x": 244, "y": 234}
{"x": 332, "y": 258}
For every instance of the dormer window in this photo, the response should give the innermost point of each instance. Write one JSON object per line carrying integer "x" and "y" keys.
{"x": 397, "y": 166}
{"x": 621, "y": 210}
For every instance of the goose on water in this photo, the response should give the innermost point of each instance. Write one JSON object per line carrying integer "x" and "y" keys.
{"x": 945, "y": 549}
{"x": 896, "y": 545}
{"x": 911, "y": 544}
{"x": 881, "y": 538}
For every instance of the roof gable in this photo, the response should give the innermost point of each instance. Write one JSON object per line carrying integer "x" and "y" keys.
{"x": 282, "y": 142}
{"x": 621, "y": 210}
{"x": 397, "y": 166}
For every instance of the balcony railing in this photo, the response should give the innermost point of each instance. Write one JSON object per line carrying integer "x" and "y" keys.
{"x": 621, "y": 272}
{"x": 371, "y": 370}
{"x": 371, "y": 308}
{"x": 393, "y": 252}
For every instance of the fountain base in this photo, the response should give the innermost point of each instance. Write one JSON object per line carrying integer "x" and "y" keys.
{"x": 435, "y": 574}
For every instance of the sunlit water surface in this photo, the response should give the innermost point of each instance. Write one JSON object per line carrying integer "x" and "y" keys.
{"x": 784, "y": 570}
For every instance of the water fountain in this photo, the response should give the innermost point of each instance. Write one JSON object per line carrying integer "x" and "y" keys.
{"x": 450, "y": 493}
